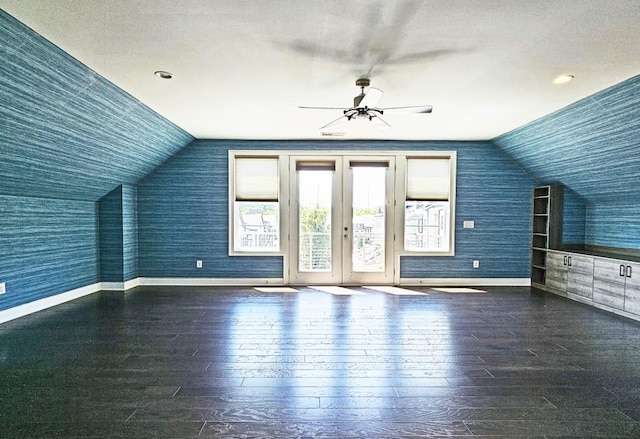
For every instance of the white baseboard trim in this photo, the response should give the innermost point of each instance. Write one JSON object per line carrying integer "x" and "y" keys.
{"x": 120, "y": 286}
{"x": 471, "y": 281}
{"x": 208, "y": 281}
{"x": 242, "y": 282}
{"x": 47, "y": 302}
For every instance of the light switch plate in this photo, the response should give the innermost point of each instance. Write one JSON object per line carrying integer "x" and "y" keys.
{"x": 198, "y": 263}
{"x": 2, "y": 288}
{"x": 468, "y": 224}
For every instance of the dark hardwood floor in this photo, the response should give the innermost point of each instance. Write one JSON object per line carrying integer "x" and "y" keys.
{"x": 237, "y": 363}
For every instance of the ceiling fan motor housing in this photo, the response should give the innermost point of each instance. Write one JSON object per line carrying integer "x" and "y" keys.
{"x": 362, "y": 83}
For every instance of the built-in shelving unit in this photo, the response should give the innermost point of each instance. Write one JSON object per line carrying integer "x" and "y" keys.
{"x": 546, "y": 229}
{"x": 603, "y": 277}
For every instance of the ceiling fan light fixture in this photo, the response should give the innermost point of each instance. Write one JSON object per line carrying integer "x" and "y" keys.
{"x": 563, "y": 79}
{"x": 163, "y": 74}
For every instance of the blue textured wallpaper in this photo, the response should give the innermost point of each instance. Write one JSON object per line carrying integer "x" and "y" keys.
{"x": 66, "y": 132}
{"x": 592, "y": 147}
{"x": 48, "y": 246}
{"x": 183, "y": 213}
{"x": 118, "y": 225}
{"x": 614, "y": 225}
{"x": 494, "y": 192}
{"x": 574, "y": 220}
{"x": 129, "y": 232}
{"x": 67, "y": 138}
{"x": 111, "y": 236}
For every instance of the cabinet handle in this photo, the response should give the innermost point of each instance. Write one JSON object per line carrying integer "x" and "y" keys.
{"x": 622, "y": 270}
{"x": 569, "y": 261}
{"x": 628, "y": 271}
{"x": 565, "y": 260}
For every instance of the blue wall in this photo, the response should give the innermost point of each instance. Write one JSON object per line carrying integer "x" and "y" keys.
{"x": 614, "y": 225}
{"x": 183, "y": 213}
{"x": 129, "y": 232}
{"x": 111, "y": 236}
{"x": 592, "y": 147}
{"x": 118, "y": 231}
{"x": 67, "y": 138}
{"x": 67, "y": 132}
{"x": 48, "y": 246}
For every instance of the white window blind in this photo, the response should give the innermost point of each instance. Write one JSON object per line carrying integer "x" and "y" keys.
{"x": 256, "y": 178}
{"x": 428, "y": 179}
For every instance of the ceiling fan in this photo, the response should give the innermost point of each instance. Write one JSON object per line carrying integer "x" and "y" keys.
{"x": 364, "y": 107}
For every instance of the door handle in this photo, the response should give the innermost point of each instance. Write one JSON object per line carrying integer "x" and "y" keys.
{"x": 622, "y": 270}
{"x": 628, "y": 271}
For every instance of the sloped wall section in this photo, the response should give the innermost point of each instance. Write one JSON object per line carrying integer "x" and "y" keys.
{"x": 591, "y": 147}
{"x": 66, "y": 132}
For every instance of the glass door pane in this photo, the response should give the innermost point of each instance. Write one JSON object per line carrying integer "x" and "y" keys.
{"x": 368, "y": 218}
{"x": 314, "y": 220}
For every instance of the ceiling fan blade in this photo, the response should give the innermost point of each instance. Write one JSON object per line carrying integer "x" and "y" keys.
{"x": 322, "y": 108}
{"x": 371, "y": 98}
{"x": 334, "y": 122}
{"x": 412, "y": 109}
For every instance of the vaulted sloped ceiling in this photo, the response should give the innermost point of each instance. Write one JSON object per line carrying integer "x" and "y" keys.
{"x": 65, "y": 131}
{"x": 591, "y": 146}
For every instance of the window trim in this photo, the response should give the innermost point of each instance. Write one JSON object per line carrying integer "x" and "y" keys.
{"x": 231, "y": 201}
{"x": 401, "y": 198}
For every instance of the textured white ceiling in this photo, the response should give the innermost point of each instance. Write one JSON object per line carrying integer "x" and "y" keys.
{"x": 242, "y": 68}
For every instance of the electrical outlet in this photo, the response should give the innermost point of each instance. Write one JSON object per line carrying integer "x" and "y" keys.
{"x": 476, "y": 264}
{"x": 2, "y": 288}
{"x": 198, "y": 263}
{"x": 468, "y": 224}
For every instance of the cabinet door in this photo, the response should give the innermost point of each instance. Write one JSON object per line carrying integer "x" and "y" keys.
{"x": 557, "y": 271}
{"x": 580, "y": 276}
{"x": 632, "y": 290}
{"x": 608, "y": 284}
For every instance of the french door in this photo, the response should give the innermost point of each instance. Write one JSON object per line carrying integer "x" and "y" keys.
{"x": 341, "y": 219}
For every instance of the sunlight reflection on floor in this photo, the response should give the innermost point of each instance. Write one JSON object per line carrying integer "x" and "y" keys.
{"x": 396, "y": 291}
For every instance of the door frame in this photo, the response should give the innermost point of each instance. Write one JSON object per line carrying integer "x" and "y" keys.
{"x": 342, "y": 216}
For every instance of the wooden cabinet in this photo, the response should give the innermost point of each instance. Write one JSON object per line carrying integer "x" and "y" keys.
{"x": 606, "y": 283}
{"x": 557, "y": 272}
{"x": 580, "y": 275}
{"x": 617, "y": 284}
{"x": 632, "y": 289}
{"x": 570, "y": 273}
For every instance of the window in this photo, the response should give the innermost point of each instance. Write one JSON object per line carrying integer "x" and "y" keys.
{"x": 256, "y": 209}
{"x": 427, "y": 207}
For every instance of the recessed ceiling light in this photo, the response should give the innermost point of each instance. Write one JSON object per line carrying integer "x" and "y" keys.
{"x": 563, "y": 79}
{"x": 164, "y": 75}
